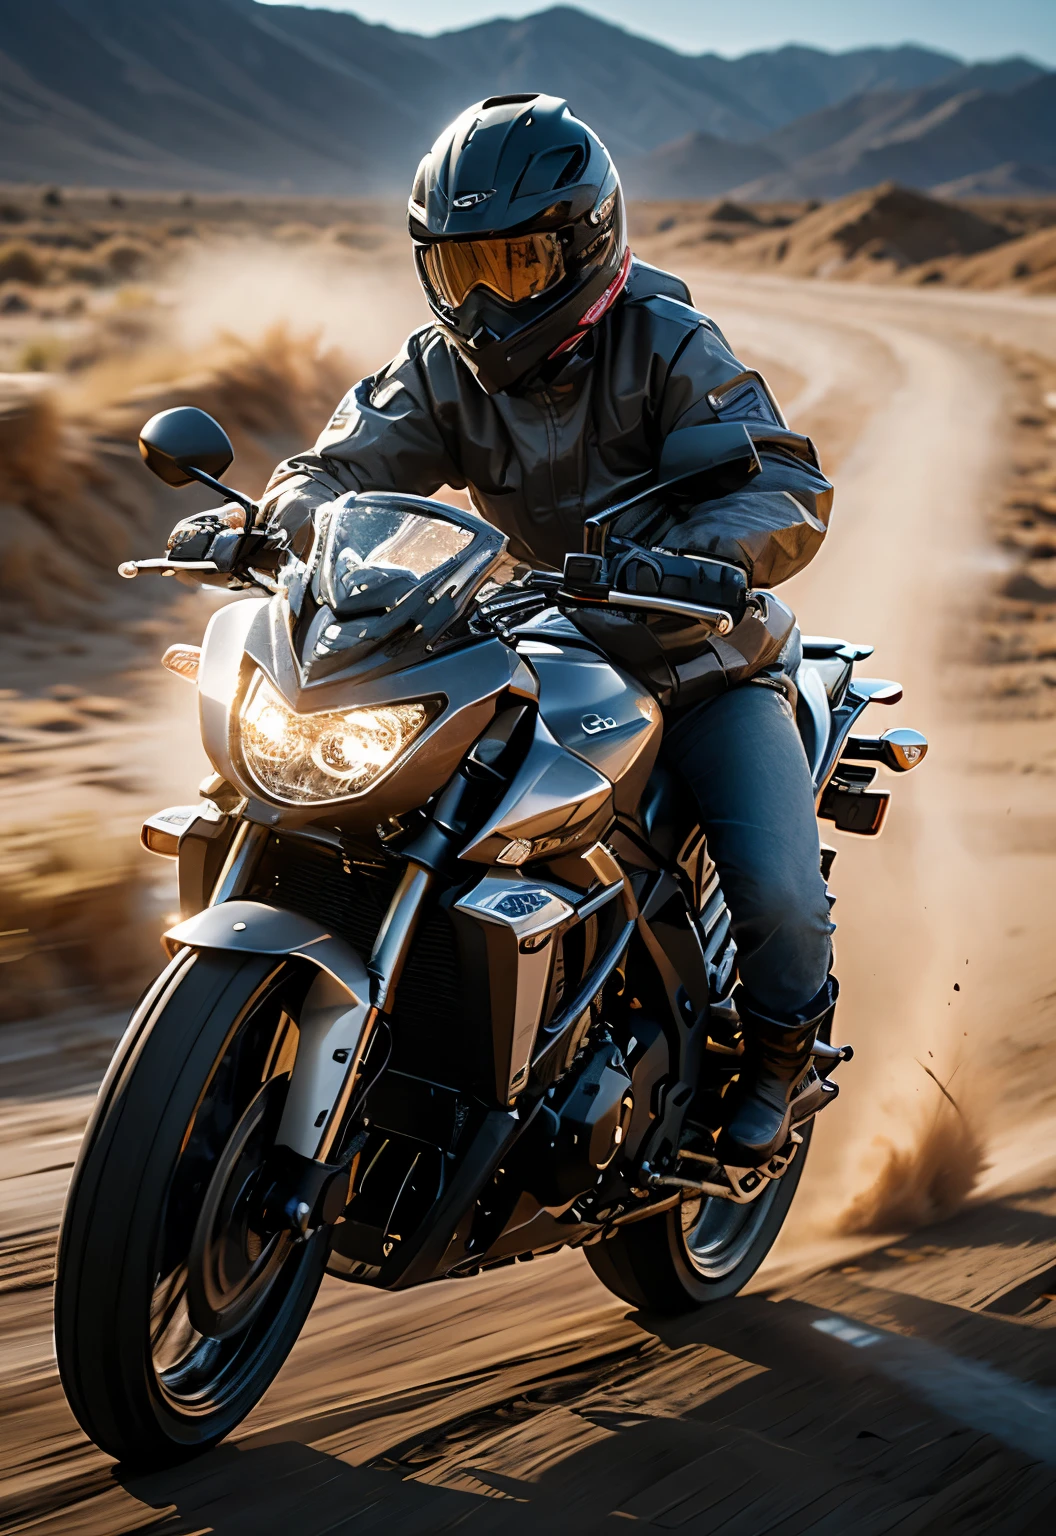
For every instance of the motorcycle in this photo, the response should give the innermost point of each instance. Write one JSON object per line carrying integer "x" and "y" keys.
{"x": 452, "y": 985}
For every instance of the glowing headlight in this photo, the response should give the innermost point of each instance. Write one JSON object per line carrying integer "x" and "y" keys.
{"x": 329, "y": 756}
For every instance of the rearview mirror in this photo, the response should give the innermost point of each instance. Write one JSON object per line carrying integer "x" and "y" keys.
{"x": 696, "y": 464}
{"x": 702, "y": 463}
{"x": 176, "y": 443}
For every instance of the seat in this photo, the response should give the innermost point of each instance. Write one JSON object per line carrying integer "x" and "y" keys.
{"x": 822, "y": 678}
{"x": 813, "y": 713}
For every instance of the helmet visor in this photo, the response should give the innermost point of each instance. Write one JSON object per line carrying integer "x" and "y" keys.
{"x": 513, "y": 269}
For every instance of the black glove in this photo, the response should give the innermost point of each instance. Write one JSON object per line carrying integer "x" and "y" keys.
{"x": 220, "y": 536}
{"x": 192, "y": 538}
{"x": 683, "y": 578}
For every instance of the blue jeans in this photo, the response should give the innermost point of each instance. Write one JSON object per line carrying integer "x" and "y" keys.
{"x": 743, "y": 759}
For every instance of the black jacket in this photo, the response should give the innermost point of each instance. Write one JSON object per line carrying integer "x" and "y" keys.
{"x": 540, "y": 461}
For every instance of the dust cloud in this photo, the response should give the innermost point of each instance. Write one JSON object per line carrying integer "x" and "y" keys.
{"x": 924, "y": 1182}
{"x": 366, "y": 309}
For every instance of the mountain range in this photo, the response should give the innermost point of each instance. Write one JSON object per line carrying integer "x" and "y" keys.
{"x": 235, "y": 95}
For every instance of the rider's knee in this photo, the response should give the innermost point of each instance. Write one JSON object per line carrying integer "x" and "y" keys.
{"x": 785, "y": 943}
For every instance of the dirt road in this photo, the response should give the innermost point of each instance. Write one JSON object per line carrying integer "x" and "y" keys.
{"x": 909, "y": 1387}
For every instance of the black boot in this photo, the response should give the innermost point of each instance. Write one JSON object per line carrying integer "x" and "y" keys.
{"x": 777, "y": 1060}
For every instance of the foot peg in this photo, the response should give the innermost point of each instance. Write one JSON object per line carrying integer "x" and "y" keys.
{"x": 815, "y": 1094}
{"x": 726, "y": 1181}
{"x": 832, "y": 1053}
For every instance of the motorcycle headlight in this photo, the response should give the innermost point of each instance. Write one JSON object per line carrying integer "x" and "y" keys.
{"x": 307, "y": 759}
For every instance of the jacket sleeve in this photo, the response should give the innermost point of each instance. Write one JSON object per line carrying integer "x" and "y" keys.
{"x": 775, "y": 526}
{"x": 384, "y": 436}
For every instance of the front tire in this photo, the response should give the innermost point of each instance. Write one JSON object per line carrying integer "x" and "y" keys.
{"x": 698, "y": 1252}
{"x": 173, "y": 1308}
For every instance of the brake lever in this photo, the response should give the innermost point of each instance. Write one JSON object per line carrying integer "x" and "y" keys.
{"x": 720, "y": 618}
{"x": 130, "y": 569}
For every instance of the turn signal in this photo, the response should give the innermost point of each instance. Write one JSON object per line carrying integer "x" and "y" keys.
{"x": 903, "y": 748}
{"x": 899, "y": 749}
{"x": 161, "y": 832}
{"x": 183, "y": 660}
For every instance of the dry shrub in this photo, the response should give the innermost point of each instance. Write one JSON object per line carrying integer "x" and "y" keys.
{"x": 15, "y": 301}
{"x": 67, "y": 237}
{"x": 20, "y": 263}
{"x": 75, "y": 499}
{"x": 59, "y": 516}
{"x": 123, "y": 258}
{"x": 29, "y": 427}
{"x": 44, "y": 354}
{"x": 923, "y": 1183}
{"x": 280, "y": 385}
{"x": 295, "y": 233}
{"x": 87, "y": 270}
{"x": 356, "y": 237}
{"x": 271, "y": 395}
{"x": 79, "y": 919}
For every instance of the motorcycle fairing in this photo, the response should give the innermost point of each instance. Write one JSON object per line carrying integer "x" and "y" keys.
{"x": 508, "y": 927}
{"x": 237, "y": 639}
{"x": 220, "y": 678}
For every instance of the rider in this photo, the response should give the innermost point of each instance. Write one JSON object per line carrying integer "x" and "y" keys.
{"x": 554, "y": 368}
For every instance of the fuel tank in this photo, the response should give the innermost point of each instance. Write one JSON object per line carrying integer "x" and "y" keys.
{"x": 596, "y": 711}
{"x": 596, "y": 737}
{"x": 555, "y": 802}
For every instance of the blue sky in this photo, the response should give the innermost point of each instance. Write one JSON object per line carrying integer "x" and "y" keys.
{"x": 973, "y": 29}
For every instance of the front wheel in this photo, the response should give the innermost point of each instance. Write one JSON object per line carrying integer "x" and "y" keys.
{"x": 174, "y": 1305}
{"x": 700, "y": 1251}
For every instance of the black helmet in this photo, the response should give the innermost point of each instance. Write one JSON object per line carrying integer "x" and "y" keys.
{"x": 519, "y": 234}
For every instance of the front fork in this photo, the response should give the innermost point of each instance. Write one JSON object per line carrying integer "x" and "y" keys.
{"x": 306, "y": 1188}
{"x": 315, "y": 1190}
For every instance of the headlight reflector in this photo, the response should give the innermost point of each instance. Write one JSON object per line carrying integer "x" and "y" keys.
{"x": 309, "y": 759}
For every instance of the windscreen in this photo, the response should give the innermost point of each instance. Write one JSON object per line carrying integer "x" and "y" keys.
{"x": 375, "y": 555}
{"x": 388, "y": 537}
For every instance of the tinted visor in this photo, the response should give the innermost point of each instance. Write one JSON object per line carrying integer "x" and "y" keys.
{"x": 513, "y": 269}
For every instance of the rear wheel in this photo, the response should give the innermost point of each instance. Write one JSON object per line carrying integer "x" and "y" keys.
{"x": 698, "y": 1252}
{"x": 174, "y": 1305}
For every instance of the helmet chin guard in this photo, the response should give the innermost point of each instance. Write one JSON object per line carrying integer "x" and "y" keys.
{"x": 520, "y": 235}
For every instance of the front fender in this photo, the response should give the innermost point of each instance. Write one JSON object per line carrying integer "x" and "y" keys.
{"x": 258, "y": 929}
{"x": 334, "y": 1016}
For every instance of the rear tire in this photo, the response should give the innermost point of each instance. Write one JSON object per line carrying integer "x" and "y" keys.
{"x": 696, "y": 1253}
{"x": 190, "y": 1103}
